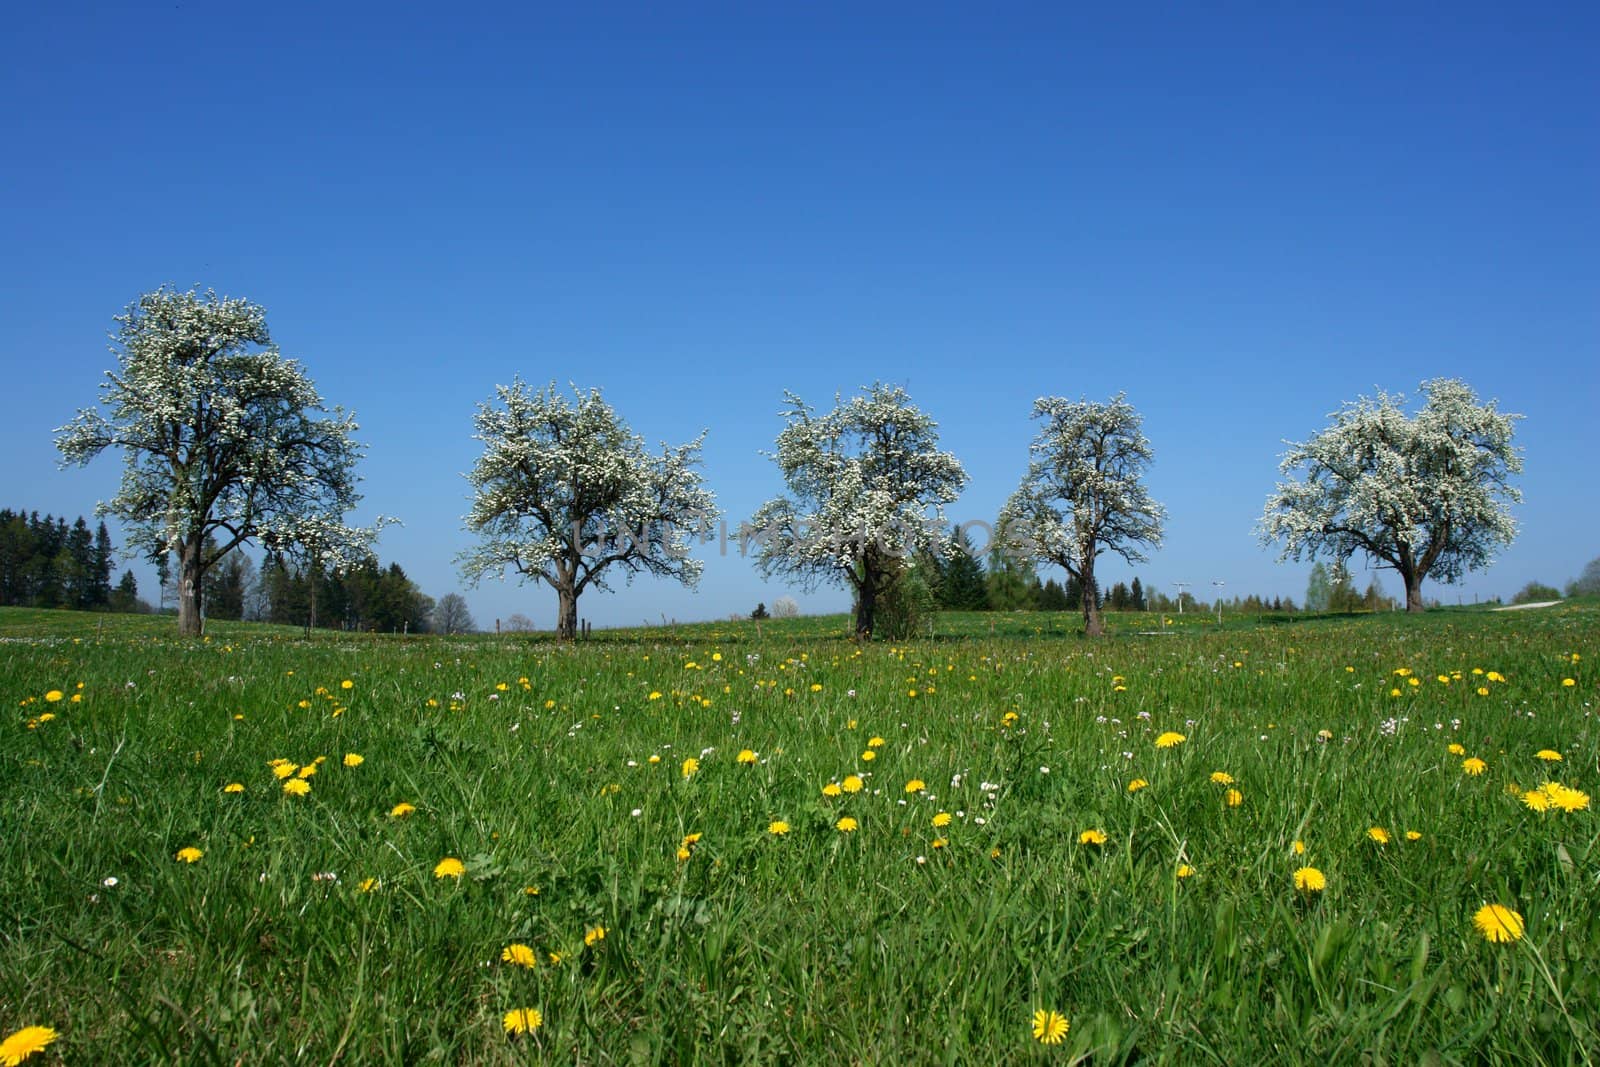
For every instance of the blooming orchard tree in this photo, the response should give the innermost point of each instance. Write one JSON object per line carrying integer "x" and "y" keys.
{"x": 564, "y": 492}
{"x": 1428, "y": 495}
{"x": 1082, "y": 495}
{"x": 868, "y": 488}
{"x": 224, "y": 440}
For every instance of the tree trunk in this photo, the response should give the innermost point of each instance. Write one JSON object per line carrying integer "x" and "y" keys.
{"x": 866, "y": 604}
{"x": 1093, "y": 624}
{"x": 190, "y": 622}
{"x": 567, "y": 614}
{"x": 1414, "y": 594}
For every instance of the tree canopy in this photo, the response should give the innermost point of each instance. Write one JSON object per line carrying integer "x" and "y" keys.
{"x": 867, "y": 488}
{"x": 1427, "y": 495}
{"x": 223, "y": 439}
{"x": 1083, "y": 494}
{"x": 565, "y": 492}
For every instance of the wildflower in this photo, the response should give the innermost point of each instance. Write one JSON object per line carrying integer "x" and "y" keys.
{"x": 1457, "y": 750}
{"x": 519, "y": 956}
{"x": 852, "y": 783}
{"x": 832, "y": 789}
{"x": 1170, "y": 739}
{"x": 1049, "y": 1027}
{"x": 1474, "y": 766}
{"x": 1233, "y": 798}
{"x": 941, "y": 820}
{"x": 522, "y": 1021}
{"x": 746, "y": 756}
{"x": 690, "y": 766}
{"x": 1309, "y": 880}
{"x": 655, "y": 695}
{"x": 367, "y": 885}
{"x": 401, "y": 810}
{"x": 297, "y": 787}
{"x": 1413, "y": 835}
{"x": 1549, "y": 755}
{"x": 1498, "y": 924}
{"x": 1536, "y": 800}
{"x": 308, "y": 770}
{"x": 24, "y": 1043}
{"x": 868, "y": 756}
{"x": 1298, "y": 848}
{"x": 189, "y": 854}
{"x": 1136, "y": 785}
{"x": 1378, "y": 834}
{"x": 916, "y": 785}
{"x": 1185, "y": 871}
{"x": 1092, "y": 837}
{"x": 233, "y": 787}
{"x": 1222, "y": 777}
{"x": 1568, "y": 683}
{"x": 285, "y": 769}
{"x": 846, "y": 825}
{"x": 53, "y": 696}
{"x": 449, "y": 867}
{"x": 777, "y": 827}
{"x": 594, "y": 935}
{"x": 875, "y": 742}
{"x": 1565, "y": 797}
{"x": 354, "y": 759}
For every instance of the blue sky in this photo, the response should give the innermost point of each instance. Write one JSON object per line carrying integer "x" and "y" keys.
{"x": 1243, "y": 217}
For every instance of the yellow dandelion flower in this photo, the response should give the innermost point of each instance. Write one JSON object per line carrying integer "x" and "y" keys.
{"x": 1536, "y": 800}
{"x": 1310, "y": 880}
{"x": 522, "y": 1021}
{"x": 847, "y": 825}
{"x": 367, "y": 885}
{"x": 307, "y": 771}
{"x": 1498, "y": 924}
{"x": 1456, "y": 750}
{"x": 1222, "y": 777}
{"x": 941, "y": 820}
{"x": 1185, "y": 871}
{"x": 1049, "y": 1027}
{"x": 654, "y": 758}
{"x": 1092, "y": 837}
{"x": 297, "y": 787}
{"x": 1298, "y": 848}
{"x": 285, "y": 769}
{"x": 875, "y": 742}
{"x": 1378, "y": 834}
{"x": 1413, "y": 835}
{"x": 746, "y": 756}
{"x": 354, "y": 759}
{"x": 690, "y": 766}
{"x": 916, "y": 785}
{"x": 1565, "y": 797}
{"x": 1568, "y": 683}
{"x": 53, "y": 696}
{"x": 655, "y": 694}
{"x": 1473, "y": 766}
{"x": 1233, "y": 798}
{"x": 1549, "y": 755}
{"x": 519, "y": 955}
{"x": 777, "y": 827}
{"x": 189, "y": 854}
{"x": 832, "y": 789}
{"x": 449, "y": 867}
{"x": 853, "y": 783}
{"x": 594, "y": 935}
{"x": 1137, "y": 784}
{"x": 401, "y": 810}
{"x": 1170, "y": 739}
{"x": 24, "y": 1043}
{"x": 233, "y": 787}
{"x": 868, "y": 756}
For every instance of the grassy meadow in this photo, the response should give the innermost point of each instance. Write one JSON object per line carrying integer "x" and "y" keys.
{"x": 731, "y": 844}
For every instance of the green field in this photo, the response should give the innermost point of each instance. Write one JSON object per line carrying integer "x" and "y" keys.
{"x": 324, "y": 927}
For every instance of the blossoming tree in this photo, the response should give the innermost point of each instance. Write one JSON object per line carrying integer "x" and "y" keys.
{"x": 867, "y": 489}
{"x": 1083, "y": 495}
{"x": 1428, "y": 495}
{"x": 224, "y": 440}
{"x": 564, "y": 492}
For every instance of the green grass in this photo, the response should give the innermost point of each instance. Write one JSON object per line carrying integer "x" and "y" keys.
{"x": 815, "y": 946}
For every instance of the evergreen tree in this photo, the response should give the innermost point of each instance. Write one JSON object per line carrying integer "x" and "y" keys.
{"x": 1136, "y": 596}
{"x": 962, "y": 582}
{"x": 1009, "y": 583}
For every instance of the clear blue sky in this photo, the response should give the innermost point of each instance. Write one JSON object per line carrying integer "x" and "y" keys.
{"x": 1243, "y": 217}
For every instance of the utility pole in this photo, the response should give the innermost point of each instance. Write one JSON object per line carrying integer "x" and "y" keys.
{"x": 1219, "y": 583}
{"x": 1181, "y": 587}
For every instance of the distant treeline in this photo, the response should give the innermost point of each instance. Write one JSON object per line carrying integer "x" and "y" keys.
{"x": 45, "y": 563}
{"x": 369, "y": 597}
